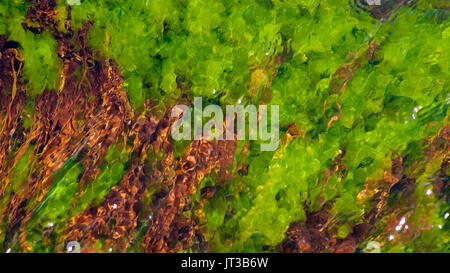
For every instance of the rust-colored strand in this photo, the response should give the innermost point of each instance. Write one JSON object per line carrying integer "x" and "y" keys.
{"x": 317, "y": 233}
{"x": 58, "y": 132}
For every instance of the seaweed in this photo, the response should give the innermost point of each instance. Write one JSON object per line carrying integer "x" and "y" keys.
{"x": 86, "y": 92}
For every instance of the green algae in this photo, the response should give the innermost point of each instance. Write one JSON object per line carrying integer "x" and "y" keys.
{"x": 385, "y": 107}
{"x": 395, "y": 100}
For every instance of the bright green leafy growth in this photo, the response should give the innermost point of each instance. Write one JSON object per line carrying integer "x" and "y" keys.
{"x": 63, "y": 199}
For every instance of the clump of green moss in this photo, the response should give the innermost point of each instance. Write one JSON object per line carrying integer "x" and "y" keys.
{"x": 357, "y": 89}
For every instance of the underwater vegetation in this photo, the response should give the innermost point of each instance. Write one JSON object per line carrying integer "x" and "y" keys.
{"x": 86, "y": 155}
